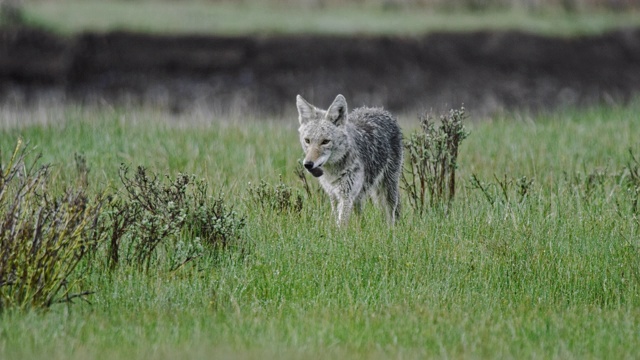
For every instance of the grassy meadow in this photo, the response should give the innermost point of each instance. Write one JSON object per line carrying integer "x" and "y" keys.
{"x": 537, "y": 257}
{"x": 336, "y": 18}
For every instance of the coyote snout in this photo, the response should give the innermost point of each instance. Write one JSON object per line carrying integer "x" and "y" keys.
{"x": 353, "y": 155}
{"x": 313, "y": 169}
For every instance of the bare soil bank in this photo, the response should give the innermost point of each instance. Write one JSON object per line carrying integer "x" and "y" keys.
{"x": 485, "y": 71}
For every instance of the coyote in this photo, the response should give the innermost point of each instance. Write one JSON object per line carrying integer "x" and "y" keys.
{"x": 353, "y": 155}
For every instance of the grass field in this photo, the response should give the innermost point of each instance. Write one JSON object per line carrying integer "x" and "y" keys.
{"x": 550, "y": 272}
{"x": 263, "y": 18}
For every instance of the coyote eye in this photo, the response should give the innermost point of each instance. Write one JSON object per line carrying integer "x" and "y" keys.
{"x": 306, "y": 140}
{"x": 326, "y": 141}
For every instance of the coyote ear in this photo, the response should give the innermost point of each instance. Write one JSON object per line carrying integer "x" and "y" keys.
{"x": 337, "y": 112}
{"x": 306, "y": 111}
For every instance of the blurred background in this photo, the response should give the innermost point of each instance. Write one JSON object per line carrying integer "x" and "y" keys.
{"x": 255, "y": 56}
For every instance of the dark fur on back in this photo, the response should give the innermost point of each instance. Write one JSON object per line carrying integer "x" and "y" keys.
{"x": 378, "y": 142}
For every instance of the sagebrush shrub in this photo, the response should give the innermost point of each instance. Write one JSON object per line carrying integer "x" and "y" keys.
{"x": 43, "y": 237}
{"x": 211, "y": 220}
{"x": 280, "y": 197}
{"x": 151, "y": 212}
{"x": 431, "y": 158}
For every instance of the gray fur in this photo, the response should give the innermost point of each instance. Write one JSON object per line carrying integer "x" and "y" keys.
{"x": 353, "y": 155}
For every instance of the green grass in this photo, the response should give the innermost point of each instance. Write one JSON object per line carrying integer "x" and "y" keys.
{"x": 73, "y": 16}
{"x": 551, "y": 275}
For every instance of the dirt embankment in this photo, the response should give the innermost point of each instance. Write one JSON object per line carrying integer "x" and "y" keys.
{"x": 486, "y": 71}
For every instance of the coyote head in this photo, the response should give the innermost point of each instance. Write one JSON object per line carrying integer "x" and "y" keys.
{"x": 322, "y": 133}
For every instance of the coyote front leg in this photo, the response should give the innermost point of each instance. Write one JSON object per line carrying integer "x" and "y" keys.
{"x": 344, "y": 210}
{"x": 350, "y": 194}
